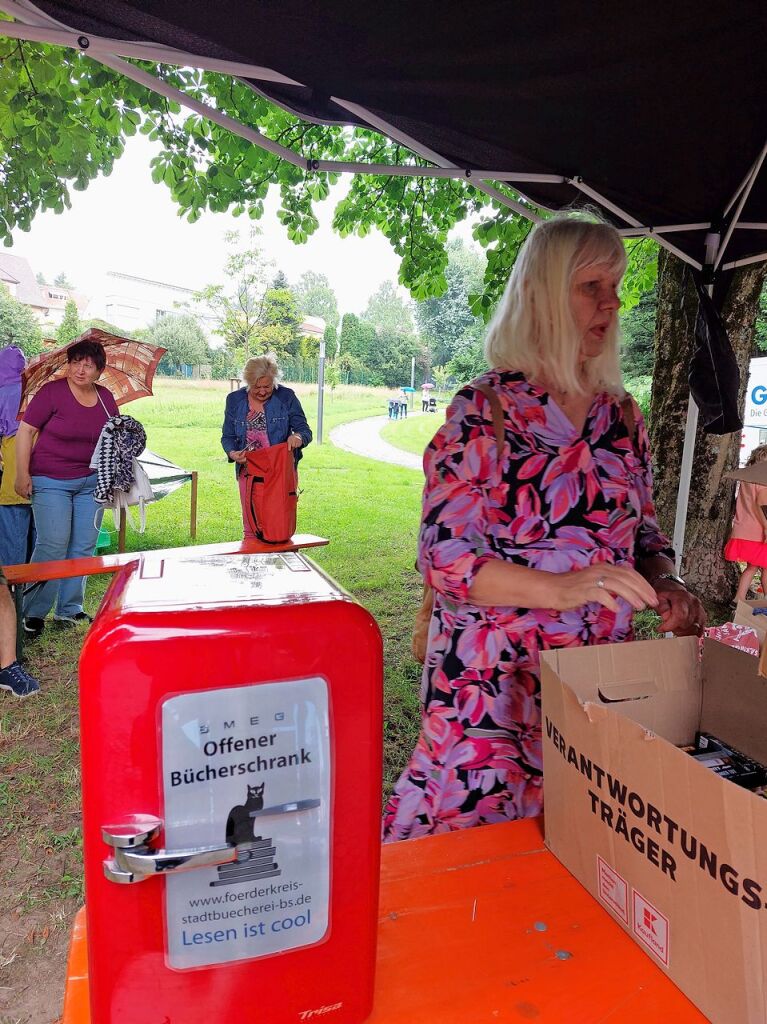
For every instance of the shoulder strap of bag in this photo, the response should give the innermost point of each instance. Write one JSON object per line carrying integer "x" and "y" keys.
{"x": 627, "y": 408}
{"x": 497, "y": 410}
{"x": 98, "y": 395}
{"x": 629, "y": 418}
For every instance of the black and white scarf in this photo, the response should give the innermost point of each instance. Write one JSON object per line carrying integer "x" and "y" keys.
{"x": 122, "y": 440}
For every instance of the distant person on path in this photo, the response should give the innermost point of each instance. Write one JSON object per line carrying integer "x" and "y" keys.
{"x": 17, "y": 527}
{"x": 403, "y": 406}
{"x": 13, "y": 677}
{"x": 261, "y": 414}
{"x": 550, "y": 543}
{"x": 748, "y": 540}
{"x": 66, "y": 417}
{"x": 424, "y": 399}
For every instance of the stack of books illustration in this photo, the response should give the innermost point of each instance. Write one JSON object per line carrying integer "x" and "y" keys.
{"x": 255, "y": 860}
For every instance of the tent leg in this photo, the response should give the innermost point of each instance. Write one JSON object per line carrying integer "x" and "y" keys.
{"x": 685, "y": 475}
{"x": 691, "y": 427}
{"x": 122, "y": 531}
{"x": 193, "y": 508}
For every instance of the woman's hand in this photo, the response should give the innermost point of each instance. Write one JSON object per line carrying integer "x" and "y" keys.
{"x": 239, "y": 456}
{"x": 294, "y": 441}
{"x": 601, "y": 584}
{"x": 681, "y": 613}
{"x": 23, "y": 485}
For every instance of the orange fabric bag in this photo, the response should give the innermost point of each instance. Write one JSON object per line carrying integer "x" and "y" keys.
{"x": 271, "y": 493}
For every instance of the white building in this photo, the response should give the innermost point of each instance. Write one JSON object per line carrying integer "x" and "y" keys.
{"x": 130, "y": 302}
{"x": 46, "y": 301}
{"x": 126, "y": 301}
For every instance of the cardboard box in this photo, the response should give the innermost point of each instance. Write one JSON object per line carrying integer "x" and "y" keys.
{"x": 675, "y": 853}
{"x": 744, "y": 616}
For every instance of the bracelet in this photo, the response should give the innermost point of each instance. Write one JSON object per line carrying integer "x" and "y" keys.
{"x": 668, "y": 576}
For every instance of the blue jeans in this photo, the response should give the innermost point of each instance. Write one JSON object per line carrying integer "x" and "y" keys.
{"x": 67, "y": 521}
{"x": 17, "y": 534}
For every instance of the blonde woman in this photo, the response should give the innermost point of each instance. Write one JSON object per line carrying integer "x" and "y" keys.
{"x": 261, "y": 414}
{"x": 553, "y": 544}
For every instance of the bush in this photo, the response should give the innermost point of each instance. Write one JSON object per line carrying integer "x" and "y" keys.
{"x": 18, "y": 325}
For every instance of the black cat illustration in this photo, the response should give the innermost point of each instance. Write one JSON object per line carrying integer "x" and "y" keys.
{"x": 239, "y": 824}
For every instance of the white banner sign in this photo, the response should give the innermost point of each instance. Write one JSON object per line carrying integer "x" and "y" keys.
{"x": 250, "y": 766}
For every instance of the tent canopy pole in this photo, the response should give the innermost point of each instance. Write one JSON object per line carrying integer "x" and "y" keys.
{"x": 691, "y": 428}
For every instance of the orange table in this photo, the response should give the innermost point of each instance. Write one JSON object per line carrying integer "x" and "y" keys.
{"x": 486, "y": 925}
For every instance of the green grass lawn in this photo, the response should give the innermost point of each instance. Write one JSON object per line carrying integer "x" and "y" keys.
{"x": 415, "y": 432}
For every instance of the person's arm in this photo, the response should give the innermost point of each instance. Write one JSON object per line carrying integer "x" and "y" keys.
{"x": 680, "y": 611}
{"x": 24, "y": 441}
{"x": 456, "y": 552}
{"x": 229, "y": 432}
{"x": 501, "y": 583}
{"x": 300, "y": 433}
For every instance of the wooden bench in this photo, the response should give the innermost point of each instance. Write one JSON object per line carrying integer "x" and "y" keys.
{"x": 40, "y": 572}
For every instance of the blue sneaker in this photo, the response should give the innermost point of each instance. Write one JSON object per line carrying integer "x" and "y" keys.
{"x": 16, "y": 679}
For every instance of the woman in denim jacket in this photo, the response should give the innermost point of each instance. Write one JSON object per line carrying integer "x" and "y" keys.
{"x": 261, "y": 414}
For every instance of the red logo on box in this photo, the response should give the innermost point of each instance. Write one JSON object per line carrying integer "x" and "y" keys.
{"x": 613, "y": 890}
{"x": 651, "y": 927}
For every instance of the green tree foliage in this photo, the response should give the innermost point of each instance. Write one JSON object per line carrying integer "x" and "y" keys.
{"x": 18, "y": 325}
{"x": 442, "y": 377}
{"x": 183, "y": 338}
{"x": 466, "y": 365}
{"x": 392, "y": 356}
{"x": 64, "y": 120}
{"x": 388, "y": 311}
{"x": 40, "y": 277}
{"x": 225, "y": 365}
{"x": 238, "y": 306}
{"x": 637, "y": 356}
{"x": 104, "y": 325}
{"x": 315, "y": 297}
{"x": 447, "y": 324}
{"x": 332, "y": 377}
{"x": 332, "y": 341}
{"x": 280, "y": 281}
{"x": 62, "y": 281}
{"x": 70, "y": 326}
{"x": 280, "y": 320}
{"x": 395, "y": 342}
{"x": 761, "y": 324}
{"x": 357, "y": 338}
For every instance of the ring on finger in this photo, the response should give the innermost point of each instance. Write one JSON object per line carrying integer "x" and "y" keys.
{"x": 601, "y": 582}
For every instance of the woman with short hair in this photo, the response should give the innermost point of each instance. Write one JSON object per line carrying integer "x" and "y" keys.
{"x": 63, "y": 422}
{"x": 551, "y": 543}
{"x": 259, "y": 415}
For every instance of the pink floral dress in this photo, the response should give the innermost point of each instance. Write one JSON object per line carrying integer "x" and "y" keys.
{"x": 556, "y": 501}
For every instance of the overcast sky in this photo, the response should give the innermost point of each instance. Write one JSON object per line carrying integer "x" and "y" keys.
{"x": 127, "y": 223}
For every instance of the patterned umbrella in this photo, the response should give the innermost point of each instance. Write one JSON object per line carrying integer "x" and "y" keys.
{"x": 128, "y": 374}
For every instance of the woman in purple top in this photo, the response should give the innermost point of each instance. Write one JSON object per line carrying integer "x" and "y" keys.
{"x": 67, "y": 416}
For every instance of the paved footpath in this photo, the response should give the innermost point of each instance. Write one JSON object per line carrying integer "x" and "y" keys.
{"x": 363, "y": 437}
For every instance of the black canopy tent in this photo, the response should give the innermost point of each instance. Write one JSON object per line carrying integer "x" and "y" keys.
{"x": 655, "y": 115}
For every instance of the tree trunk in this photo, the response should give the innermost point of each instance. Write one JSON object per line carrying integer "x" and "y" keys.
{"x": 712, "y": 498}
